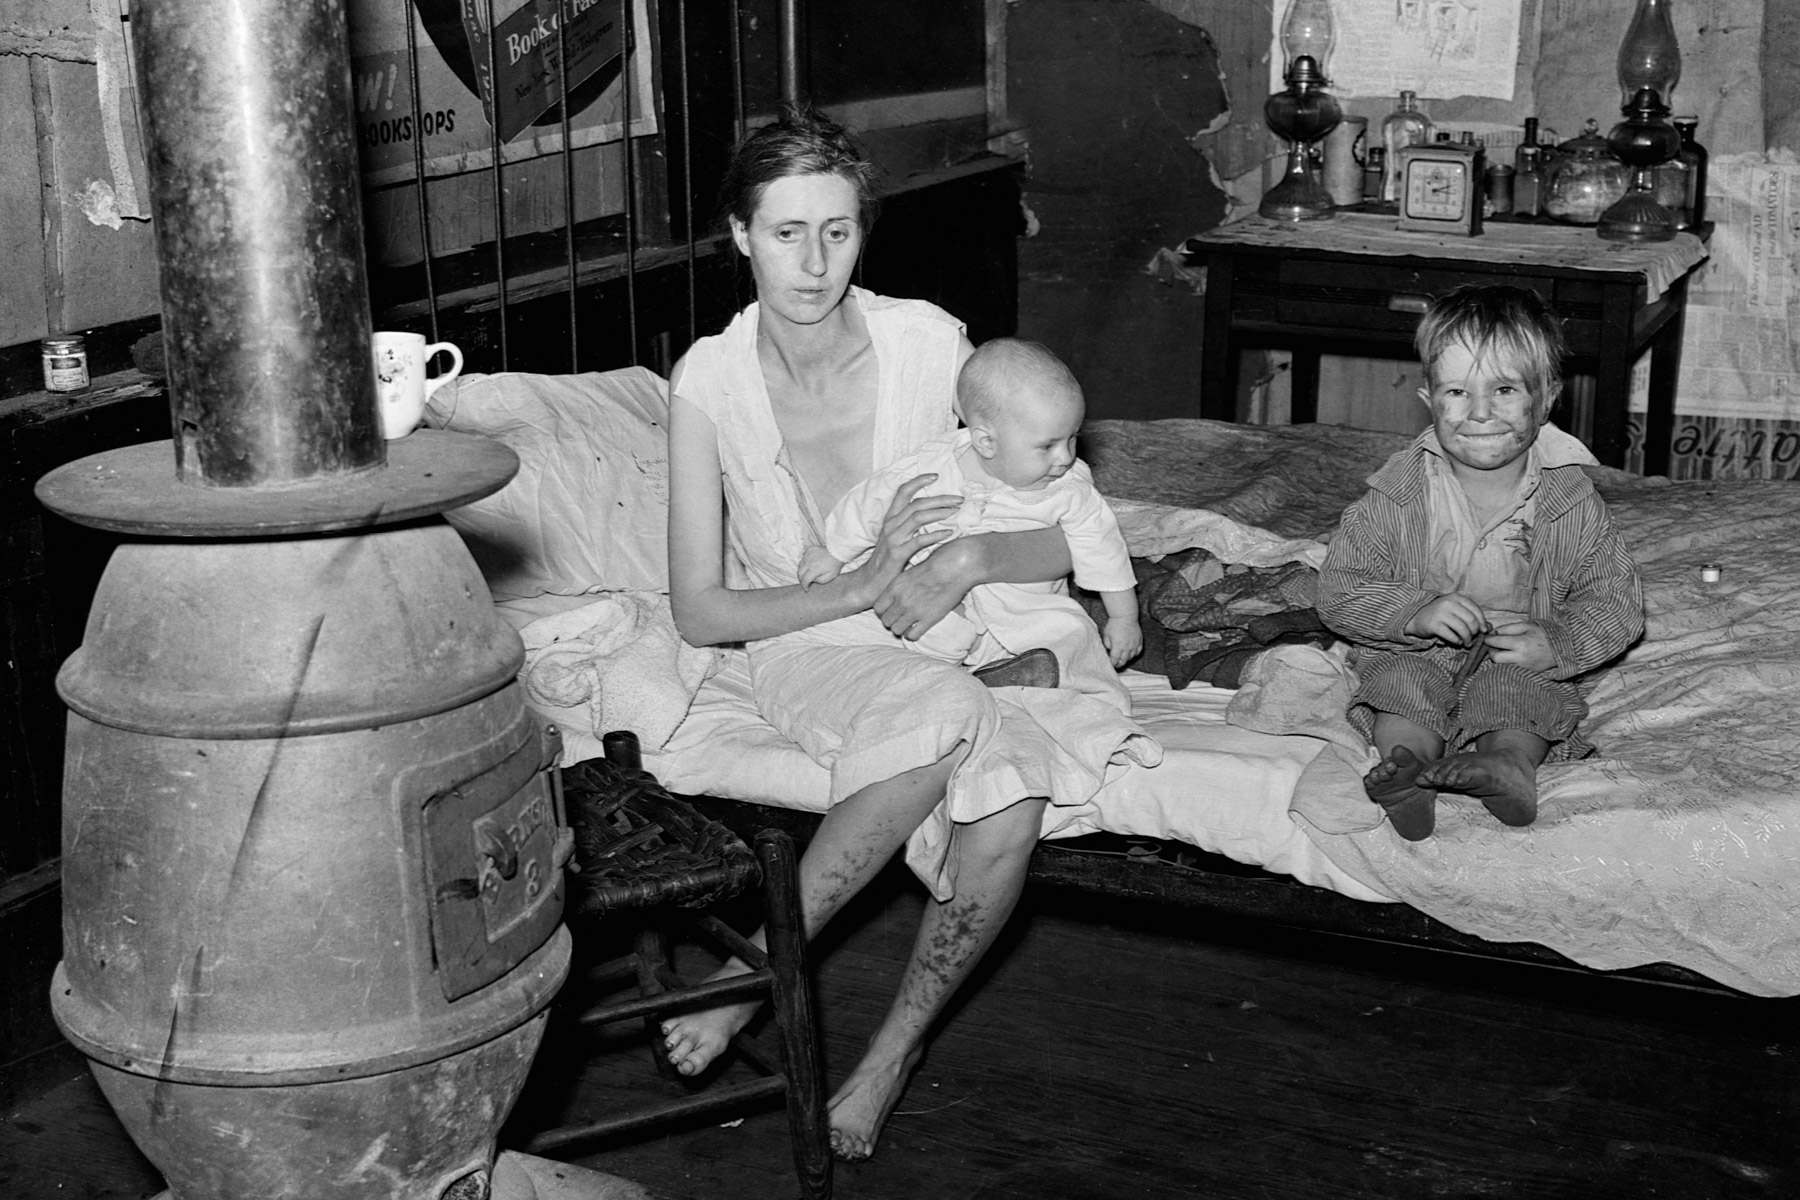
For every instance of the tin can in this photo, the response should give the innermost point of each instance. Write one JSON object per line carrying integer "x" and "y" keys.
{"x": 1499, "y": 183}
{"x": 1711, "y": 572}
{"x": 65, "y": 362}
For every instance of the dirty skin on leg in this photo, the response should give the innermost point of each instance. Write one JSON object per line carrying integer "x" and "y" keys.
{"x": 992, "y": 856}
{"x": 855, "y": 840}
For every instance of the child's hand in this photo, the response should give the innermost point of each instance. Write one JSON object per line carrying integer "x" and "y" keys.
{"x": 1452, "y": 618}
{"x": 818, "y": 566}
{"x": 1123, "y": 638}
{"x": 1523, "y": 644}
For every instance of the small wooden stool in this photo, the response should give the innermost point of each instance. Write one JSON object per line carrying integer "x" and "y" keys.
{"x": 643, "y": 853}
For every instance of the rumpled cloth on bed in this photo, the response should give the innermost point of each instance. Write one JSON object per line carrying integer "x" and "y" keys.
{"x": 614, "y": 663}
{"x": 1680, "y": 841}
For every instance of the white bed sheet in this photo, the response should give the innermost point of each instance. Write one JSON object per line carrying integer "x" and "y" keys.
{"x": 1219, "y": 787}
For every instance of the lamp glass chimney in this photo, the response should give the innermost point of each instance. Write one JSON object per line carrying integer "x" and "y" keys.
{"x": 1649, "y": 56}
{"x": 1309, "y": 30}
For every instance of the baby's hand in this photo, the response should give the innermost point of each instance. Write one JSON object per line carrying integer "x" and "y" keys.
{"x": 818, "y": 566}
{"x": 1523, "y": 644}
{"x": 1452, "y": 618}
{"x": 1123, "y": 638}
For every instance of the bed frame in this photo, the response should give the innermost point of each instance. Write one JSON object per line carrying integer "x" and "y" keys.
{"x": 1182, "y": 877}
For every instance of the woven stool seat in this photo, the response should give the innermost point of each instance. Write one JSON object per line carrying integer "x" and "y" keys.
{"x": 636, "y": 846}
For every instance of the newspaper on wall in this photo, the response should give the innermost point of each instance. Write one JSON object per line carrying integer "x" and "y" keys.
{"x": 1437, "y": 48}
{"x": 1738, "y": 399}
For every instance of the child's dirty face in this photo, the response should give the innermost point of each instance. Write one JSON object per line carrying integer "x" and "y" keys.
{"x": 1485, "y": 411}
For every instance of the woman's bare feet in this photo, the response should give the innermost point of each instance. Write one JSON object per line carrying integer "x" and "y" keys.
{"x": 1395, "y": 784}
{"x": 862, "y": 1106}
{"x": 1503, "y": 781}
{"x": 694, "y": 1040}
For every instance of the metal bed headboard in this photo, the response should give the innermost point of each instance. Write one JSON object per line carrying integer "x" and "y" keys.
{"x": 426, "y": 307}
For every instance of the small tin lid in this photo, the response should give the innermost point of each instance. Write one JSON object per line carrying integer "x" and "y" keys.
{"x": 63, "y": 341}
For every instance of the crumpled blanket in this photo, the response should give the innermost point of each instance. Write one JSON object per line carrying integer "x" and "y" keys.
{"x": 1204, "y": 618}
{"x": 617, "y": 663}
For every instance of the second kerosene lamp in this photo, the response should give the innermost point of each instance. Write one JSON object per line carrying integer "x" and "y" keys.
{"x": 1649, "y": 69}
{"x": 1303, "y": 112}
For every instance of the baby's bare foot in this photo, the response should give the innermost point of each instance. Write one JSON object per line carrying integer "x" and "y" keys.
{"x": 693, "y": 1040}
{"x": 1394, "y": 784}
{"x": 862, "y": 1106}
{"x": 1505, "y": 783}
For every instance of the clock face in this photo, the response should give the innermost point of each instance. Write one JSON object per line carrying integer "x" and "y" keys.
{"x": 1436, "y": 190}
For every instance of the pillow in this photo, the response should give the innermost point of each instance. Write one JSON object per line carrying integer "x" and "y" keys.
{"x": 588, "y": 510}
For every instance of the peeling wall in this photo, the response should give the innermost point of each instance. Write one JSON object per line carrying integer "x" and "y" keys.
{"x": 1113, "y": 93}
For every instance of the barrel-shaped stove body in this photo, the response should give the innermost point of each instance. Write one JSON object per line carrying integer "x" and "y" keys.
{"x": 312, "y": 863}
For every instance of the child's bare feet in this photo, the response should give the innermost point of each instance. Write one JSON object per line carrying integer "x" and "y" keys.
{"x": 862, "y": 1106}
{"x": 1505, "y": 782}
{"x": 693, "y": 1040}
{"x": 1394, "y": 784}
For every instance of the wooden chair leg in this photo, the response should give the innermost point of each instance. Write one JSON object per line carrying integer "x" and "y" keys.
{"x": 792, "y": 996}
{"x": 651, "y": 953}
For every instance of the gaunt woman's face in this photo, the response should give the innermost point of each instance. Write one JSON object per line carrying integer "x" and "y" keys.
{"x": 802, "y": 242}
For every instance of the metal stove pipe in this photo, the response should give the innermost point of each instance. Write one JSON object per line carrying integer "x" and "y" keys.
{"x": 249, "y": 118}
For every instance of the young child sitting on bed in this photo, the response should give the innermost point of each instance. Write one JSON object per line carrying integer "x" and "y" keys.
{"x": 1480, "y": 575}
{"x": 1014, "y": 467}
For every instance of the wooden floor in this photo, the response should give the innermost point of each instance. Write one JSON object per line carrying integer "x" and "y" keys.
{"x": 1104, "y": 1056}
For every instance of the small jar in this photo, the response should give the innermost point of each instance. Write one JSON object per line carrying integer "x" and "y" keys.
{"x": 65, "y": 362}
{"x": 1499, "y": 182}
{"x": 1374, "y": 173}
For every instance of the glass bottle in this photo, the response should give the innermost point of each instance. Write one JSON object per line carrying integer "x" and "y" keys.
{"x": 1529, "y": 141}
{"x": 1528, "y": 182}
{"x": 1670, "y": 183}
{"x": 1374, "y": 172}
{"x": 1649, "y": 56}
{"x": 1405, "y": 126}
{"x": 1695, "y": 156}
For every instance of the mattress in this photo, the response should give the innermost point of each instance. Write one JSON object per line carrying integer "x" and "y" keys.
{"x": 1219, "y": 787}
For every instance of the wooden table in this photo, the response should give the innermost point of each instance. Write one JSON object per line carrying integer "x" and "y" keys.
{"x": 1354, "y": 285}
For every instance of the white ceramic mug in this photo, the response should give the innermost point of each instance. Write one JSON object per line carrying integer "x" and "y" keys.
{"x": 401, "y": 387}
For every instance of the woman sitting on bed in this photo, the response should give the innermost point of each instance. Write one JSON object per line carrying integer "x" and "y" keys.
{"x": 770, "y": 423}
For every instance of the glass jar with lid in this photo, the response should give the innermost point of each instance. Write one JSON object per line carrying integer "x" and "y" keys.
{"x": 1584, "y": 179}
{"x": 1405, "y": 126}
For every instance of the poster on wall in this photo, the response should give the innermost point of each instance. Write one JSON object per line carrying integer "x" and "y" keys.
{"x": 495, "y": 64}
{"x": 1436, "y": 48}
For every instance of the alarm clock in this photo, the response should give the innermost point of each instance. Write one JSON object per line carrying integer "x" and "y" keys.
{"x": 1440, "y": 189}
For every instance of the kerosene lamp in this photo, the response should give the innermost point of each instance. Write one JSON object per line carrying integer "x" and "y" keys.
{"x": 1303, "y": 112}
{"x": 1649, "y": 68}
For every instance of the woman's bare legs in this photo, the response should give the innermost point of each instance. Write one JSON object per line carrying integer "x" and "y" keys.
{"x": 855, "y": 840}
{"x": 992, "y": 856}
